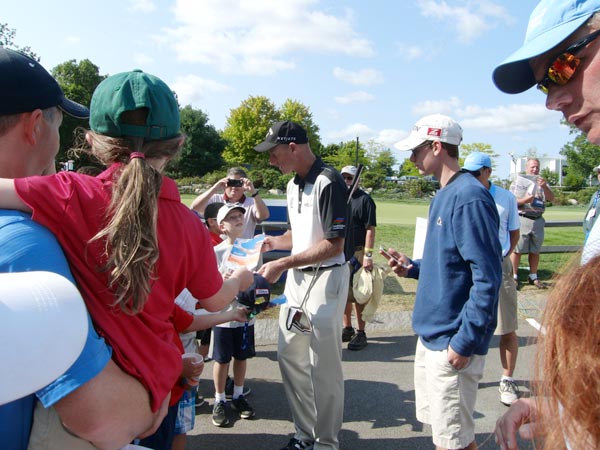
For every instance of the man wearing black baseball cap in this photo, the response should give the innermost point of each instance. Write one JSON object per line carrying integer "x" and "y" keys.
{"x": 93, "y": 397}
{"x": 310, "y": 323}
{"x": 282, "y": 133}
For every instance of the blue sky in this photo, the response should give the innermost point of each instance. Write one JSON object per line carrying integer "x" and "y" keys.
{"x": 366, "y": 69}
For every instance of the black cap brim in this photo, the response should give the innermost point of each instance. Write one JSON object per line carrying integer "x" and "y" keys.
{"x": 74, "y": 109}
{"x": 266, "y": 146}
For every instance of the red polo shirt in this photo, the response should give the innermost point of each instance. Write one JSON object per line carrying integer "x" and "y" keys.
{"x": 72, "y": 206}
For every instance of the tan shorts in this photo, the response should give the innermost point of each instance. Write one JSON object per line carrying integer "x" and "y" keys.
{"x": 532, "y": 235}
{"x": 445, "y": 397}
{"x": 508, "y": 320}
{"x": 48, "y": 433}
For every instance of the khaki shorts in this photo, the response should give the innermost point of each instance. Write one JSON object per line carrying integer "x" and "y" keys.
{"x": 508, "y": 320}
{"x": 532, "y": 235}
{"x": 48, "y": 433}
{"x": 445, "y": 397}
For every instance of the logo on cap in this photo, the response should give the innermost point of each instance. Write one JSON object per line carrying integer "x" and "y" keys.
{"x": 437, "y": 132}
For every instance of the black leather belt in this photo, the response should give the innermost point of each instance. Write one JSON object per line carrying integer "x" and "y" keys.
{"x": 314, "y": 268}
{"x": 530, "y": 217}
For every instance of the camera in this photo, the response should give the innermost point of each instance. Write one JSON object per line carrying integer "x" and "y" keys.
{"x": 232, "y": 182}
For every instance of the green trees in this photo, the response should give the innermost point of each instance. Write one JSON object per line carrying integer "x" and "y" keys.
{"x": 78, "y": 81}
{"x": 582, "y": 157}
{"x": 202, "y": 151}
{"x": 481, "y": 147}
{"x": 248, "y": 124}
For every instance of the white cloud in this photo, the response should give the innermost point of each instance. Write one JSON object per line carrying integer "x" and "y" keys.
{"x": 260, "y": 36}
{"x": 412, "y": 52}
{"x": 145, "y": 6}
{"x": 364, "y": 77}
{"x": 142, "y": 60}
{"x": 72, "y": 40}
{"x": 470, "y": 19}
{"x": 390, "y": 136}
{"x": 351, "y": 132}
{"x": 354, "y": 97}
{"x": 503, "y": 119}
{"x": 510, "y": 119}
{"x": 192, "y": 89}
{"x": 427, "y": 107}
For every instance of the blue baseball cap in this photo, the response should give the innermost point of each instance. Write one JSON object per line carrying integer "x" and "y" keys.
{"x": 476, "y": 160}
{"x": 550, "y": 23}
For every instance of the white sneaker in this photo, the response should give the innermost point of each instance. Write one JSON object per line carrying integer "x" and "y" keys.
{"x": 509, "y": 392}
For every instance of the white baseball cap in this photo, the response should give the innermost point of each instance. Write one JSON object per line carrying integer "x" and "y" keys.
{"x": 435, "y": 127}
{"x": 226, "y": 209}
{"x": 43, "y": 328}
{"x": 350, "y": 170}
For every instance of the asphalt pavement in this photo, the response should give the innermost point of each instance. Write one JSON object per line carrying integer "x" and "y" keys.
{"x": 379, "y": 411}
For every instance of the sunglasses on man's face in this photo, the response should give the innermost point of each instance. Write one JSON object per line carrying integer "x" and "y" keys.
{"x": 348, "y": 177}
{"x": 565, "y": 65}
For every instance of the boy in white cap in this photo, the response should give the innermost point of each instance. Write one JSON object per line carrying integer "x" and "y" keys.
{"x": 457, "y": 295}
{"x": 231, "y": 340}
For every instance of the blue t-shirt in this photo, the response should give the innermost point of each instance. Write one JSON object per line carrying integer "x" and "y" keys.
{"x": 27, "y": 246}
{"x": 461, "y": 270}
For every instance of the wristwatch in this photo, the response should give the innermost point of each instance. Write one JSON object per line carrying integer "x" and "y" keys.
{"x": 255, "y": 194}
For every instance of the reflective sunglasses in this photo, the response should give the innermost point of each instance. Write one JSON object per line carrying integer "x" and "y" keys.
{"x": 565, "y": 65}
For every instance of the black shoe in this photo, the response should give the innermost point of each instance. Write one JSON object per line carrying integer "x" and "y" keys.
{"x": 219, "y": 419}
{"x": 296, "y": 444}
{"x": 200, "y": 401}
{"x": 347, "y": 334}
{"x": 242, "y": 407}
{"x": 229, "y": 389}
{"x": 358, "y": 342}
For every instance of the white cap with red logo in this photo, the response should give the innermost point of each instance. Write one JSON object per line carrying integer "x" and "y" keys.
{"x": 435, "y": 127}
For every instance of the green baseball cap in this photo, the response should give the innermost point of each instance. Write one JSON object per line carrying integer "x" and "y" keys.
{"x": 129, "y": 91}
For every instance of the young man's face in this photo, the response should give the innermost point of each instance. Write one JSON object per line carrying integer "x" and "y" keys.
{"x": 422, "y": 157}
{"x": 579, "y": 98}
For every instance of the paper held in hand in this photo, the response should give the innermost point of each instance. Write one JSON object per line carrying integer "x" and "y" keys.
{"x": 245, "y": 253}
{"x": 524, "y": 186}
